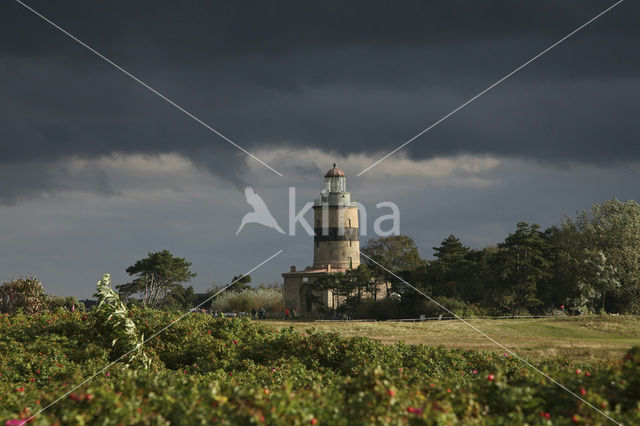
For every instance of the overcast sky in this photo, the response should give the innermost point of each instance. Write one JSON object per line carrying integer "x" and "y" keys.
{"x": 96, "y": 171}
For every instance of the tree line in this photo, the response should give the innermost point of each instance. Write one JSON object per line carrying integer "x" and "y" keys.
{"x": 589, "y": 264}
{"x": 586, "y": 264}
{"x": 158, "y": 281}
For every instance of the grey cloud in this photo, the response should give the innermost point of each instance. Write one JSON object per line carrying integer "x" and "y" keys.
{"x": 196, "y": 30}
{"x": 47, "y": 178}
{"x": 348, "y": 77}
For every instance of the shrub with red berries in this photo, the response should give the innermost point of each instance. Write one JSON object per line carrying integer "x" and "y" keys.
{"x": 240, "y": 372}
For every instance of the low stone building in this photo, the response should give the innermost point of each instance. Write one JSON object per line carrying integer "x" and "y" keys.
{"x": 336, "y": 247}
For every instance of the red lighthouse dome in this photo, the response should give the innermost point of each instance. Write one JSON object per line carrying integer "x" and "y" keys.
{"x": 335, "y": 172}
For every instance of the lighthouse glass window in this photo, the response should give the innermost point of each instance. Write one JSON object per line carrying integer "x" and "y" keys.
{"x": 336, "y": 183}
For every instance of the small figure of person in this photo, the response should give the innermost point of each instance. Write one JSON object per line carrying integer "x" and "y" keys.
{"x": 253, "y": 313}
{"x": 286, "y": 314}
{"x": 261, "y": 313}
{"x": 293, "y": 314}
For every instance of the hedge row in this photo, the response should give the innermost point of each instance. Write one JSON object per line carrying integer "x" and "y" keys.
{"x": 233, "y": 371}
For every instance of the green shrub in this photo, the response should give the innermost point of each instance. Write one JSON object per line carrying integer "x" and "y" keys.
{"x": 24, "y": 293}
{"x": 235, "y": 371}
{"x": 388, "y": 308}
{"x": 244, "y": 301}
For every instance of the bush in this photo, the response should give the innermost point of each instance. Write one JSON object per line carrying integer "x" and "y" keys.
{"x": 70, "y": 302}
{"x": 24, "y": 293}
{"x": 270, "y": 299}
{"x": 236, "y": 371}
{"x": 457, "y": 306}
{"x": 384, "y": 309}
{"x": 380, "y": 310}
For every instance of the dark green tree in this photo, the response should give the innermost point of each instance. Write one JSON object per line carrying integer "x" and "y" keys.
{"x": 349, "y": 286}
{"x": 179, "y": 298}
{"x": 452, "y": 269}
{"x": 156, "y": 276}
{"x": 240, "y": 283}
{"x": 359, "y": 281}
{"x": 521, "y": 265}
{"x": 68, "y": 302}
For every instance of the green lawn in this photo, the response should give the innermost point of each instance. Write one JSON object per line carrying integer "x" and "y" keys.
{"x": 578, "y": 338}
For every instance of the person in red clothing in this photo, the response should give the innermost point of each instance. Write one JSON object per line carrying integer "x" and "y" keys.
{"x": 287, "y": 313}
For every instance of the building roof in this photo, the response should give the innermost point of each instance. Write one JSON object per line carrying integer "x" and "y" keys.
{"x": 315, "y": 271}
{"x": 335, "y": 171}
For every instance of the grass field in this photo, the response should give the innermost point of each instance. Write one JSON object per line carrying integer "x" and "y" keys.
{"x": 579, "y": 338}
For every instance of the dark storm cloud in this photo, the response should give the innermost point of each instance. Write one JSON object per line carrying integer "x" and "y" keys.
{"x": 44, "y": 178}
{"x": 343, "y": 76}
{"x": 202, "y": 28}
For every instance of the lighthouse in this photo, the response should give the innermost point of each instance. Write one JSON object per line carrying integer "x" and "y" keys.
{"x": 336, "y": 247}
{"x": 336, "y": 242}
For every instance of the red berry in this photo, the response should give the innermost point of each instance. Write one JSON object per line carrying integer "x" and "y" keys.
{"x": 583, "y": 391}
{"x": 313, "y": 421}
{"x": 391, "y": 392}
{"x": 491, "y": 377}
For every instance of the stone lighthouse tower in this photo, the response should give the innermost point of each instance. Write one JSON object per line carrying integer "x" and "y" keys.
{"x": 336, "y": 242}
{"x": 335, "y": 247}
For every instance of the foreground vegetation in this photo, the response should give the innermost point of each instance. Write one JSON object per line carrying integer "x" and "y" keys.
{"x": 234, "y": 371}
{"x": 590, "y": 338}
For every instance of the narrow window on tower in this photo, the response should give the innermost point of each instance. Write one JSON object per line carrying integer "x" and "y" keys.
{"x": 349, "y": 242}
{"x": 348, "y": 223}
{"x": 350, "y": 263}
